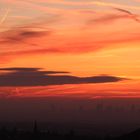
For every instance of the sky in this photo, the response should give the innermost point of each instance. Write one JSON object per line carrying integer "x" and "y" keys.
{"x": 70, "y": 48}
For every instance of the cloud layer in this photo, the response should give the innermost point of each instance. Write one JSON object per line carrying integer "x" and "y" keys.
{"x": 72, "y": 29}
{"x": 36, "y": 77}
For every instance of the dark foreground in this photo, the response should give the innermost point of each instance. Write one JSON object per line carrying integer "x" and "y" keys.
{"x": 36, "y": 134}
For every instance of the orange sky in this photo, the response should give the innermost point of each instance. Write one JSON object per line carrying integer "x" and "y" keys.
{"x": 86, "y": 38}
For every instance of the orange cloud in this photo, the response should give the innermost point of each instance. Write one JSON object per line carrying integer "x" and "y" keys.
{"x": 66, "y": 33}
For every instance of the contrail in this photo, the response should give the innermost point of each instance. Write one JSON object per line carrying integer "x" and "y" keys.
{"x": 4, "y": 16}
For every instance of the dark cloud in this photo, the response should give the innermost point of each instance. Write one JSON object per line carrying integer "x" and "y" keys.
{"x": 37, "y": 77}
{"x": 19, "y": 69}
{"x": 38, "y": 28}
{"x": 29, "y": 71}
{"x": 21, "y": 35}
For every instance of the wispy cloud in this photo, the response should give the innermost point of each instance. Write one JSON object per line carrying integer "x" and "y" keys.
{"x": 65, "y": 38}
{"x": 109, "y": 18}
{"x": 21, "y": 35}
{"x": 130, "y": 14}
{"x": 111, "y": 4}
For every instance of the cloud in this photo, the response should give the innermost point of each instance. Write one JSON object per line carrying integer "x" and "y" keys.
{"x": 124, "y": 11}
{"x": 21, "y": 35}
{"x": 36, "y": 70}
{"x": 75, "y": 48}
{"x": 16, "y": 77}
{"x": 130, "y": 14}
{"x": 41, "y": 5}
{"x": 109, "y": 4}
{"x": 37, "y": 28}
{"x": 106, "y": 19}
{"x": 40, "y": 37}
{"x": 123, "y": 14}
